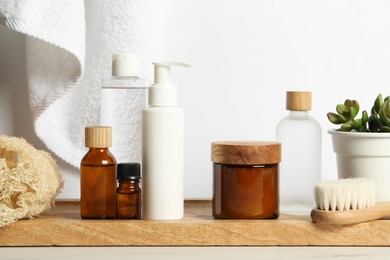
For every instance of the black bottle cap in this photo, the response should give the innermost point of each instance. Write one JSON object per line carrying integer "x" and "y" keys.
{"x": 128, "y": 171}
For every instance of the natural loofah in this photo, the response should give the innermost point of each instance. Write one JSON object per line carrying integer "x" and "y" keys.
{"x": 29, "y": 180}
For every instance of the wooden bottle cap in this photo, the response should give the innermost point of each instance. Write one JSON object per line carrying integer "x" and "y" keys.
{"x": 245, "y": 152}
{"x": 298, "y": 100}
{"x": 98, "y": 136}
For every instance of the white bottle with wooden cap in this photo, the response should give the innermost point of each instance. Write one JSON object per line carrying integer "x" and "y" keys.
{"x": 300, "y": 168}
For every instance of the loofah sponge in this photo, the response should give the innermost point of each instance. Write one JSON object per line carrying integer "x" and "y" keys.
{"x": 29, "y": 180}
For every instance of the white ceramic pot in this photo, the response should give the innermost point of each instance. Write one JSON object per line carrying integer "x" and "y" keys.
{"x": 364, "y": 155}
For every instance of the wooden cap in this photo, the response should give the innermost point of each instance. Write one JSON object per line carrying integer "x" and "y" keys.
{"x": 245, "y": 152}
{"x": 98, "y": 136}
{"x": 298, "y": 100}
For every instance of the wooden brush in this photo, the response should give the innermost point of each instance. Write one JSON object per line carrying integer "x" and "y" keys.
{"x": 347, "y": 201}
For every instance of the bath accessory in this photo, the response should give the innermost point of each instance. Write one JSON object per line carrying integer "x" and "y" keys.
{"x": 123, "y": 96}
{"x": 347, "y": 201}
{"x": 56, "y": 62}
{"x": 98, "y": 175}
{"x": 29, "y": 180}
{"x": 128, "y": 194}
{"x": 245, "y": 180}
{"x": 300, "y": 169}
{"x": 162, "y": 148}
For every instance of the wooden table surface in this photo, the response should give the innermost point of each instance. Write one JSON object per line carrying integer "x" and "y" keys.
{"x": 62, "y": 226}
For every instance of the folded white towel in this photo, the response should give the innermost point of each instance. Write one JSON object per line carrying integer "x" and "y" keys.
{"x": 65, "y": 97}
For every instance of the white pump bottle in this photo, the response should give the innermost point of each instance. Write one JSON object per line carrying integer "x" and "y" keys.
{"x": 162, "y": 149}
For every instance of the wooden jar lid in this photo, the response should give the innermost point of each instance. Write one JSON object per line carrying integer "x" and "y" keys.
{"x": 245, "y": 152}
{"x": 298, "y": 100}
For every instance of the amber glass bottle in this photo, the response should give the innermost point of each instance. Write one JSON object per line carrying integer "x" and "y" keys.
{"x": 128, "y": 194}
{"x": 246, "y": 180}
{"x": 98, "y": 176}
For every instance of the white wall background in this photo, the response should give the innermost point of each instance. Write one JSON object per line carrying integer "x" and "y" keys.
{"x": 246, "y": 54}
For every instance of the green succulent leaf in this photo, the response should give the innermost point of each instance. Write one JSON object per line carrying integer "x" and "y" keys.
{"x": 341, "y": 109}
{"x": 375, "y": 124}
{"x": 378, "y": 103}
{"x": 354, "y": 108}
{"x": 346, "y": 127}
{"x": 336, "y": 119}
{"x": 386, "y": 108}
{"x": 348, "y": 103}
{"x": 344, "y": 111}
{"x": 364, "y": 117}
{"x": 386, "y": 129}
{"x": 373, "y": 112}
{"x": 387, "y": 99}
{"x": 357, "y": 125}
{"x": 383, "y": 117}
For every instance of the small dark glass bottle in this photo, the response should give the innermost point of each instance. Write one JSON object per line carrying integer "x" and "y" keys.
{"x": 128, "y": 194}
{"x": 98, "y": 176}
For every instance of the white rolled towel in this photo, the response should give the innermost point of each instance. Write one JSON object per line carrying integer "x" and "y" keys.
{"x": 69, "y": 49}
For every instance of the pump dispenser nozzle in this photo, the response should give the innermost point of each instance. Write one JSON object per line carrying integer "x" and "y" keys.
{"x": 162, "y": 71}
{"x": 163, "y": 92}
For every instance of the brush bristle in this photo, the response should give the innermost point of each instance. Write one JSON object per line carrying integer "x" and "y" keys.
{"x": 345, "y": 194}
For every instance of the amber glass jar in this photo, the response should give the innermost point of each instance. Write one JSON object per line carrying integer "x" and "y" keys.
{"x": 98, "y": 176}
{"x": 246, "y": 180}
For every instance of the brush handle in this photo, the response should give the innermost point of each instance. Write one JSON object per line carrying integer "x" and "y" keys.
{"x": 346, "y": 217}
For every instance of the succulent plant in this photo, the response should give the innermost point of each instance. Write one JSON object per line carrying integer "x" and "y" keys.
{"x": 378, "y": 121}
{"x": 346, "y": 114}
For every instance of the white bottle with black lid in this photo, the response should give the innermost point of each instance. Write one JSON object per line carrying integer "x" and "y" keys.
{"x": 162, "y": 149}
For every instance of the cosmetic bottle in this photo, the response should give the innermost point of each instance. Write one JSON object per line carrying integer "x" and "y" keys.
{"x": 162, "y": 149}
{"x": 98, "y": 175}
{"x": 300, "y": 169}
{"x": 245, "y": 183}
{"x": 123, "y": 96}
{"x": 128, "y": 194}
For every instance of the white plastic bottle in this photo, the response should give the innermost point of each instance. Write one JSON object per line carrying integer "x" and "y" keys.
{"x": 300, "y": 169}
{"x": 123, "y": 97}
{"x": 162, "y": 149}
